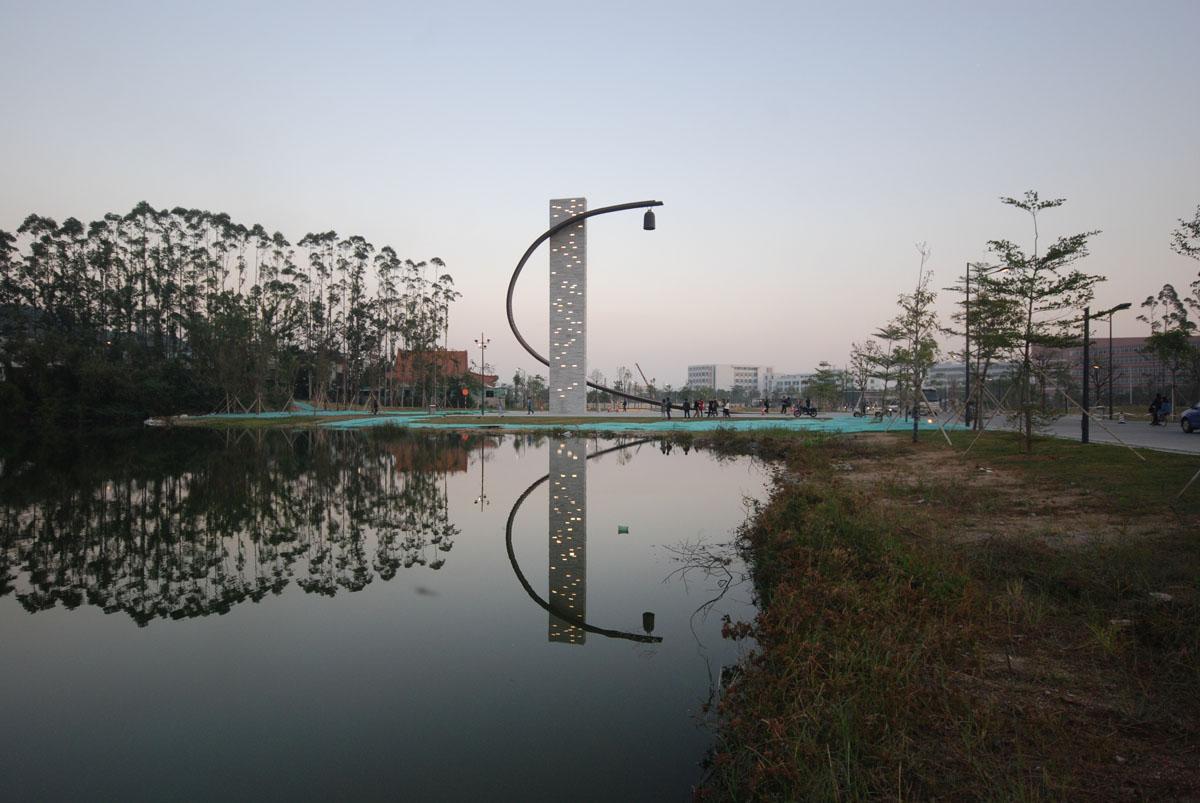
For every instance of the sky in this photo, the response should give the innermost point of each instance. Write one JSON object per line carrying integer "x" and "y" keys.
{"x": 801, "y": 149}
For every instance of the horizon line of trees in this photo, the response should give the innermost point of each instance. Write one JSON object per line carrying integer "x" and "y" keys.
{"x": 170, "y": 310}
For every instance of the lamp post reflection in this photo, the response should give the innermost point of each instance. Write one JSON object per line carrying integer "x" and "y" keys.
{"x": 482, "y": 500}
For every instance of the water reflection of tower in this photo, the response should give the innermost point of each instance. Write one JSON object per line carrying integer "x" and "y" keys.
{"x": 568, "y": 538}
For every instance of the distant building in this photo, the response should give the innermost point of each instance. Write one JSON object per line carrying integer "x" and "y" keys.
{"x": 790, "y": 384}
{"x": 1136, "y": 373}
{"x": 439, "y": 362}
{"x": 727, "y": 376}
{"x": 947, "y": 376}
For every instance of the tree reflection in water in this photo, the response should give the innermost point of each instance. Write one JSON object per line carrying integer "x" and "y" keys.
{"x": 189, "y": 523}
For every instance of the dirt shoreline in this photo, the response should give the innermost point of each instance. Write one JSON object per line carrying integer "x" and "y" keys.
{"x": 988, "y": 625}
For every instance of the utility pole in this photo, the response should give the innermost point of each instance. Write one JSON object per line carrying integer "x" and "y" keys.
{"x": 482, "y": 342}
{"x": 1087, "y": 369}
{"x": 967, "y": 350}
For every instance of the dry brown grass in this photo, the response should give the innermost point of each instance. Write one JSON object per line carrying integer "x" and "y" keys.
{"x": 989, "y": 626}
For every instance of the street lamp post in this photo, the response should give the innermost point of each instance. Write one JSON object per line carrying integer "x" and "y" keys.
{"x": 482, "y": 500}
{"x": 967, "y": 351}
{"x": 1087, "y": 371}
{"x": 1118, "y": 308}
{"x": 482, "y": 342}
{"x": 1087, "y": 360}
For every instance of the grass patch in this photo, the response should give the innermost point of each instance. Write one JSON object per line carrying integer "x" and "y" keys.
{"x": 898, "y": 658}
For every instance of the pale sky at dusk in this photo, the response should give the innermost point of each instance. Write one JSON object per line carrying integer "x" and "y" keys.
{"x": 801, "y": 149}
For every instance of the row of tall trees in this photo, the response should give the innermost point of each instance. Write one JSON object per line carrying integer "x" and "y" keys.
{"x": 161, "y": 310}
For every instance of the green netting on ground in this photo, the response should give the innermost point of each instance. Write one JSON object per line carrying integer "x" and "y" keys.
{"x": 308, "y": 411}
{"x": 837, "y": 424}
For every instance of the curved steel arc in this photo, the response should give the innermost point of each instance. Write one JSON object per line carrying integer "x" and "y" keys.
{"x": 546, "y": 235}
{"x": 512, "y": 559}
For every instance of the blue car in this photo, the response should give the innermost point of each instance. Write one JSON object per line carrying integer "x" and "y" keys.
{"x": 1190, "y": 420}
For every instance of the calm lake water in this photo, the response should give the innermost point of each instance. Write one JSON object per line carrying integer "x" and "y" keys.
{"x": 189, "y": 615}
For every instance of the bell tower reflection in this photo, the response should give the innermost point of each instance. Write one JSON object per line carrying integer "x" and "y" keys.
{"x": 568, "y": 539}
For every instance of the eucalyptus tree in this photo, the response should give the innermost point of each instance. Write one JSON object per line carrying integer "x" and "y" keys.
{"x": 1185, "y": 240}
{"x": 180, "y": 307}
{"x": 1171, "y": 332}
{"x": 443, "y": 295}
{"x": 1048, "y": 291}
{"x": 389, "y": 317}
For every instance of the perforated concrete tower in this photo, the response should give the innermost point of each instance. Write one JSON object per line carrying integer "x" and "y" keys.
{"x": 568, "y": 310}
{"x": 568, "y": 539}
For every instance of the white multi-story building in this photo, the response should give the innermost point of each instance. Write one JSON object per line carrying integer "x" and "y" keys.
{"x": 949, "y": 377}
{"x": 790, "y": 384}
{"x": 727, "y": 376}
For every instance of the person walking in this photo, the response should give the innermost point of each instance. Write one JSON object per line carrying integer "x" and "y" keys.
{"x": 666, "y": 408}
{"x": 624, "y": 405}
{"x": 529, "y": 404}
{"x": 687, "y": 409}
{"x": 696, "y": 408}
{"x": 1155, "y": 407}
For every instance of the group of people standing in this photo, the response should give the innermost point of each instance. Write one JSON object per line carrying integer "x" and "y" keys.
{"x": 1160, "y": 410}
{"x": 786, "y": 404}
{"x": 699, "y": 407}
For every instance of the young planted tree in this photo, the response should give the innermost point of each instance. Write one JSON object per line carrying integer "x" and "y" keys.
{"x": 919, "y": 323}
{"x": 1046, "y": 289}
{"x": 824, "y": 384}
{"x": 864, "y": 357}
{"x": 992, "y": 321}
{"x": 885, "y": 360}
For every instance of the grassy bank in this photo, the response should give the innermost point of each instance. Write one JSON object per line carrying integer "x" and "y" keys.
{"x": 985, "y": 625}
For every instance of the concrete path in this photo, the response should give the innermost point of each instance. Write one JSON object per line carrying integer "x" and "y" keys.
{"x": 1167, "y": 438}
{"x": 1138, "y": 434}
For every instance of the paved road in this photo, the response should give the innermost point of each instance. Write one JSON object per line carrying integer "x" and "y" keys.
{"x": 1169, "y": 438}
